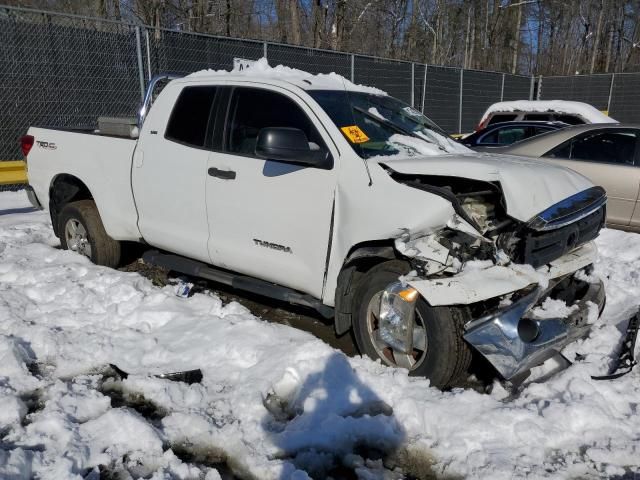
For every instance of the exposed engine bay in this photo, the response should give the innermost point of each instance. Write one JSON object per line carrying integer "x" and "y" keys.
{"x": 481, "y": 229}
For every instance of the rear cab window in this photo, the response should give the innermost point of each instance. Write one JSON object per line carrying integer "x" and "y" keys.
{"x": 545, "y": 117}
{"x": 502, "y": 117}
{"x": 190, "y": 117}
{"x": 506, "y": 135}
{"x": 570, "y": 119}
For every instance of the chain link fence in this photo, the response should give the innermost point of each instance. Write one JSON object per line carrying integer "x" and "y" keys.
{"x": 66, "y": 70}
{"x": 618, "y": 94}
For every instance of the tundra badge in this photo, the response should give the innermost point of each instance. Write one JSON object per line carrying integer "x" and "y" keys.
{"x": 273, "y": 246}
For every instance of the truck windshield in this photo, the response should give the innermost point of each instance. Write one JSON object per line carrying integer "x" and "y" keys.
{"x": 378, "y": 125}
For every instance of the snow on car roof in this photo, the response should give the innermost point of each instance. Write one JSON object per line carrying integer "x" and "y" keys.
{"x": 260, "y": 69}
{"x": 586, "y": 111}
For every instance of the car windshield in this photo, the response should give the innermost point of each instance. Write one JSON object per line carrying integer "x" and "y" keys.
{"x": 378, "y": 125}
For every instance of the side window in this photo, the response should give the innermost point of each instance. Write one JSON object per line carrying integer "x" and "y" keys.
{"x": 502, "y": 117}
{"x": 538, "y": 116}
{"x": 570, "y": 119}
{"x": 540, "y": 130}
{"x": 616, "y": 147}
{"x": 505, "y": 135}
{"x": 253, "y": 109}
{"x": 561, "y": 151}
{"x": 190, "y": 116}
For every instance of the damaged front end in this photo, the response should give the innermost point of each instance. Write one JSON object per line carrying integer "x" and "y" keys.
{"x": 504, "y": 271}
{"x": 521, "y": 334}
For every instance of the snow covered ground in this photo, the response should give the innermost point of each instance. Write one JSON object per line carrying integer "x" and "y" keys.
{"x": 274, "y": 402}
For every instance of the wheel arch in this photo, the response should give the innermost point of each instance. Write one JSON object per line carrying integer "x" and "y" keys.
{"x": 65, "y": 188}
{"x": 361, "y": 258}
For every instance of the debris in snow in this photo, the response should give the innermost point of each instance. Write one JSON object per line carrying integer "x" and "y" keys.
{"x": 625, "y": 361}
{"x": 188, "y": 376}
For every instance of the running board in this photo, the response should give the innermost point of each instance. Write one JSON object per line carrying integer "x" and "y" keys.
{"x": 240, "y": 282}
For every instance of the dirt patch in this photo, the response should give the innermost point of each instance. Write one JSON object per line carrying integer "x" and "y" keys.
{"x": 262, "y": 307}
{"x": 122, "y": 398}
{"x": 206, "y": 457}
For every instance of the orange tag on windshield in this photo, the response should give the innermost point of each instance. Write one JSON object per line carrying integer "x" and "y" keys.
{"x": 354, "y": 134}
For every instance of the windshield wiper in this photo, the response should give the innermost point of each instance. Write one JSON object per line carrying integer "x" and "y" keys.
{"x": 383, "y": 121}
{"x": 397, "y": 127}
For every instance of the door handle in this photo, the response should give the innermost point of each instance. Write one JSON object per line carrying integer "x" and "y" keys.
{"x": 223, "y": 174}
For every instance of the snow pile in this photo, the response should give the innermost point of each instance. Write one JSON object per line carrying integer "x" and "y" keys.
{"x": 260, "y": 69}
{"x": 274, "y": 403}
{"x": 584, "y": 110}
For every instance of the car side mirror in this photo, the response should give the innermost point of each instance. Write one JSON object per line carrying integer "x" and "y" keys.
{"x": 292, "y": 146}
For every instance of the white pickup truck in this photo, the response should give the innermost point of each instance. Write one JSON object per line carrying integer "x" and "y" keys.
{"x": 319, "y": 192}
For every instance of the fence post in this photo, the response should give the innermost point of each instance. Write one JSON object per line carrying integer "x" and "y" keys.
{"x": 424, "y": 86}
{"x": 460, "y": 104}
{"x": 613, "y": 76}
{"x": 413, "y": 85}
{"x": 140, "y": 64}
{"x": 532, "y": 87}
{"x": 146, "y": 37}
{"x": 264, "y": 49}
{"x": 502, "y": 90}
{"x": 539, "y": 92}
{"x": 353, "y": 68}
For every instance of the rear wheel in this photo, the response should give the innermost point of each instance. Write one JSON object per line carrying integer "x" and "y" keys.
{"x": 81, "y": 230}
{"x": 439, "y": 351}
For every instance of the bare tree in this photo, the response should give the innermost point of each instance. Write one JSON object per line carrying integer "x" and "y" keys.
{"x": 520, "y": 36}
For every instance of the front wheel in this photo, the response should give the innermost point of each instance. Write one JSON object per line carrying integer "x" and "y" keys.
{"x": 81, "y": 230}
{"x": 439, "y": 351}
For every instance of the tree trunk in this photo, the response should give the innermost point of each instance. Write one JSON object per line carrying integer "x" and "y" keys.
{"x": 116, "y": 10}
{"x": 227, "y": 18}
{"x": 514, "y": 65}
{"x": 466, "y": 40}
{"x": 294, "y": 15}
{"x": 609, "y": 48}
{"x": 596, "y": 41}
{"x": 282, "y": 27}
{"x": 338, "y": 28}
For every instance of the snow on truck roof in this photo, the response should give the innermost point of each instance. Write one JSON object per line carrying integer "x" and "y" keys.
{"x": 261, "y": 70}
{"x": 586, "y": 111}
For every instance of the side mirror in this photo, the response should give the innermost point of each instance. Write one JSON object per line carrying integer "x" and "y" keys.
{"x": 292, "y": 146}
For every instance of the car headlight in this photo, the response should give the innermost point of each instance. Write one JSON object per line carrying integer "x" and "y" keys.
{"x": 397, "y": 311}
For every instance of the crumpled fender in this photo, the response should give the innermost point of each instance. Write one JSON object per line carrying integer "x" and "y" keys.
{"x": 477, "y": 284}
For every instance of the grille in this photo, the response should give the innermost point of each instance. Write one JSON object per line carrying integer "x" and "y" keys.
{"x": 538, "y": 248}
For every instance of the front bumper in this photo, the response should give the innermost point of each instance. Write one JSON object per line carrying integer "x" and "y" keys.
{"x": 514, "y": 341}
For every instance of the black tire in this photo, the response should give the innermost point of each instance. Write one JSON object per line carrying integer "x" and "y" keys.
{"x": 447, "y": 357}
{"x": 104, "y": 249}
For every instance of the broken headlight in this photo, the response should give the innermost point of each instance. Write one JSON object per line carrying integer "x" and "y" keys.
{"x": 397, "y": 310}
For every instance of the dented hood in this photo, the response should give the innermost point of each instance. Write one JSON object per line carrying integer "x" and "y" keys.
{"x": 529, "y": 185}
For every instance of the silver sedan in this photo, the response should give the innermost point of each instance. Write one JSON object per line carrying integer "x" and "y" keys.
{"x": 606, "y": 154}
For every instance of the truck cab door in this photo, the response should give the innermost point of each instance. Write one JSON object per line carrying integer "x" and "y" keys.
{"x": 170, "y": 168}
{"x": 269, "y": 219}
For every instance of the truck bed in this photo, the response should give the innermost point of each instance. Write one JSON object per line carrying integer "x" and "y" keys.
{"x": 102, "y": 162}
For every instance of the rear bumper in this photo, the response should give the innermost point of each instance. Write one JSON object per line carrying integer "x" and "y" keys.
{"x": 514, "y": 341}
{"x": 33, "y": 198}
